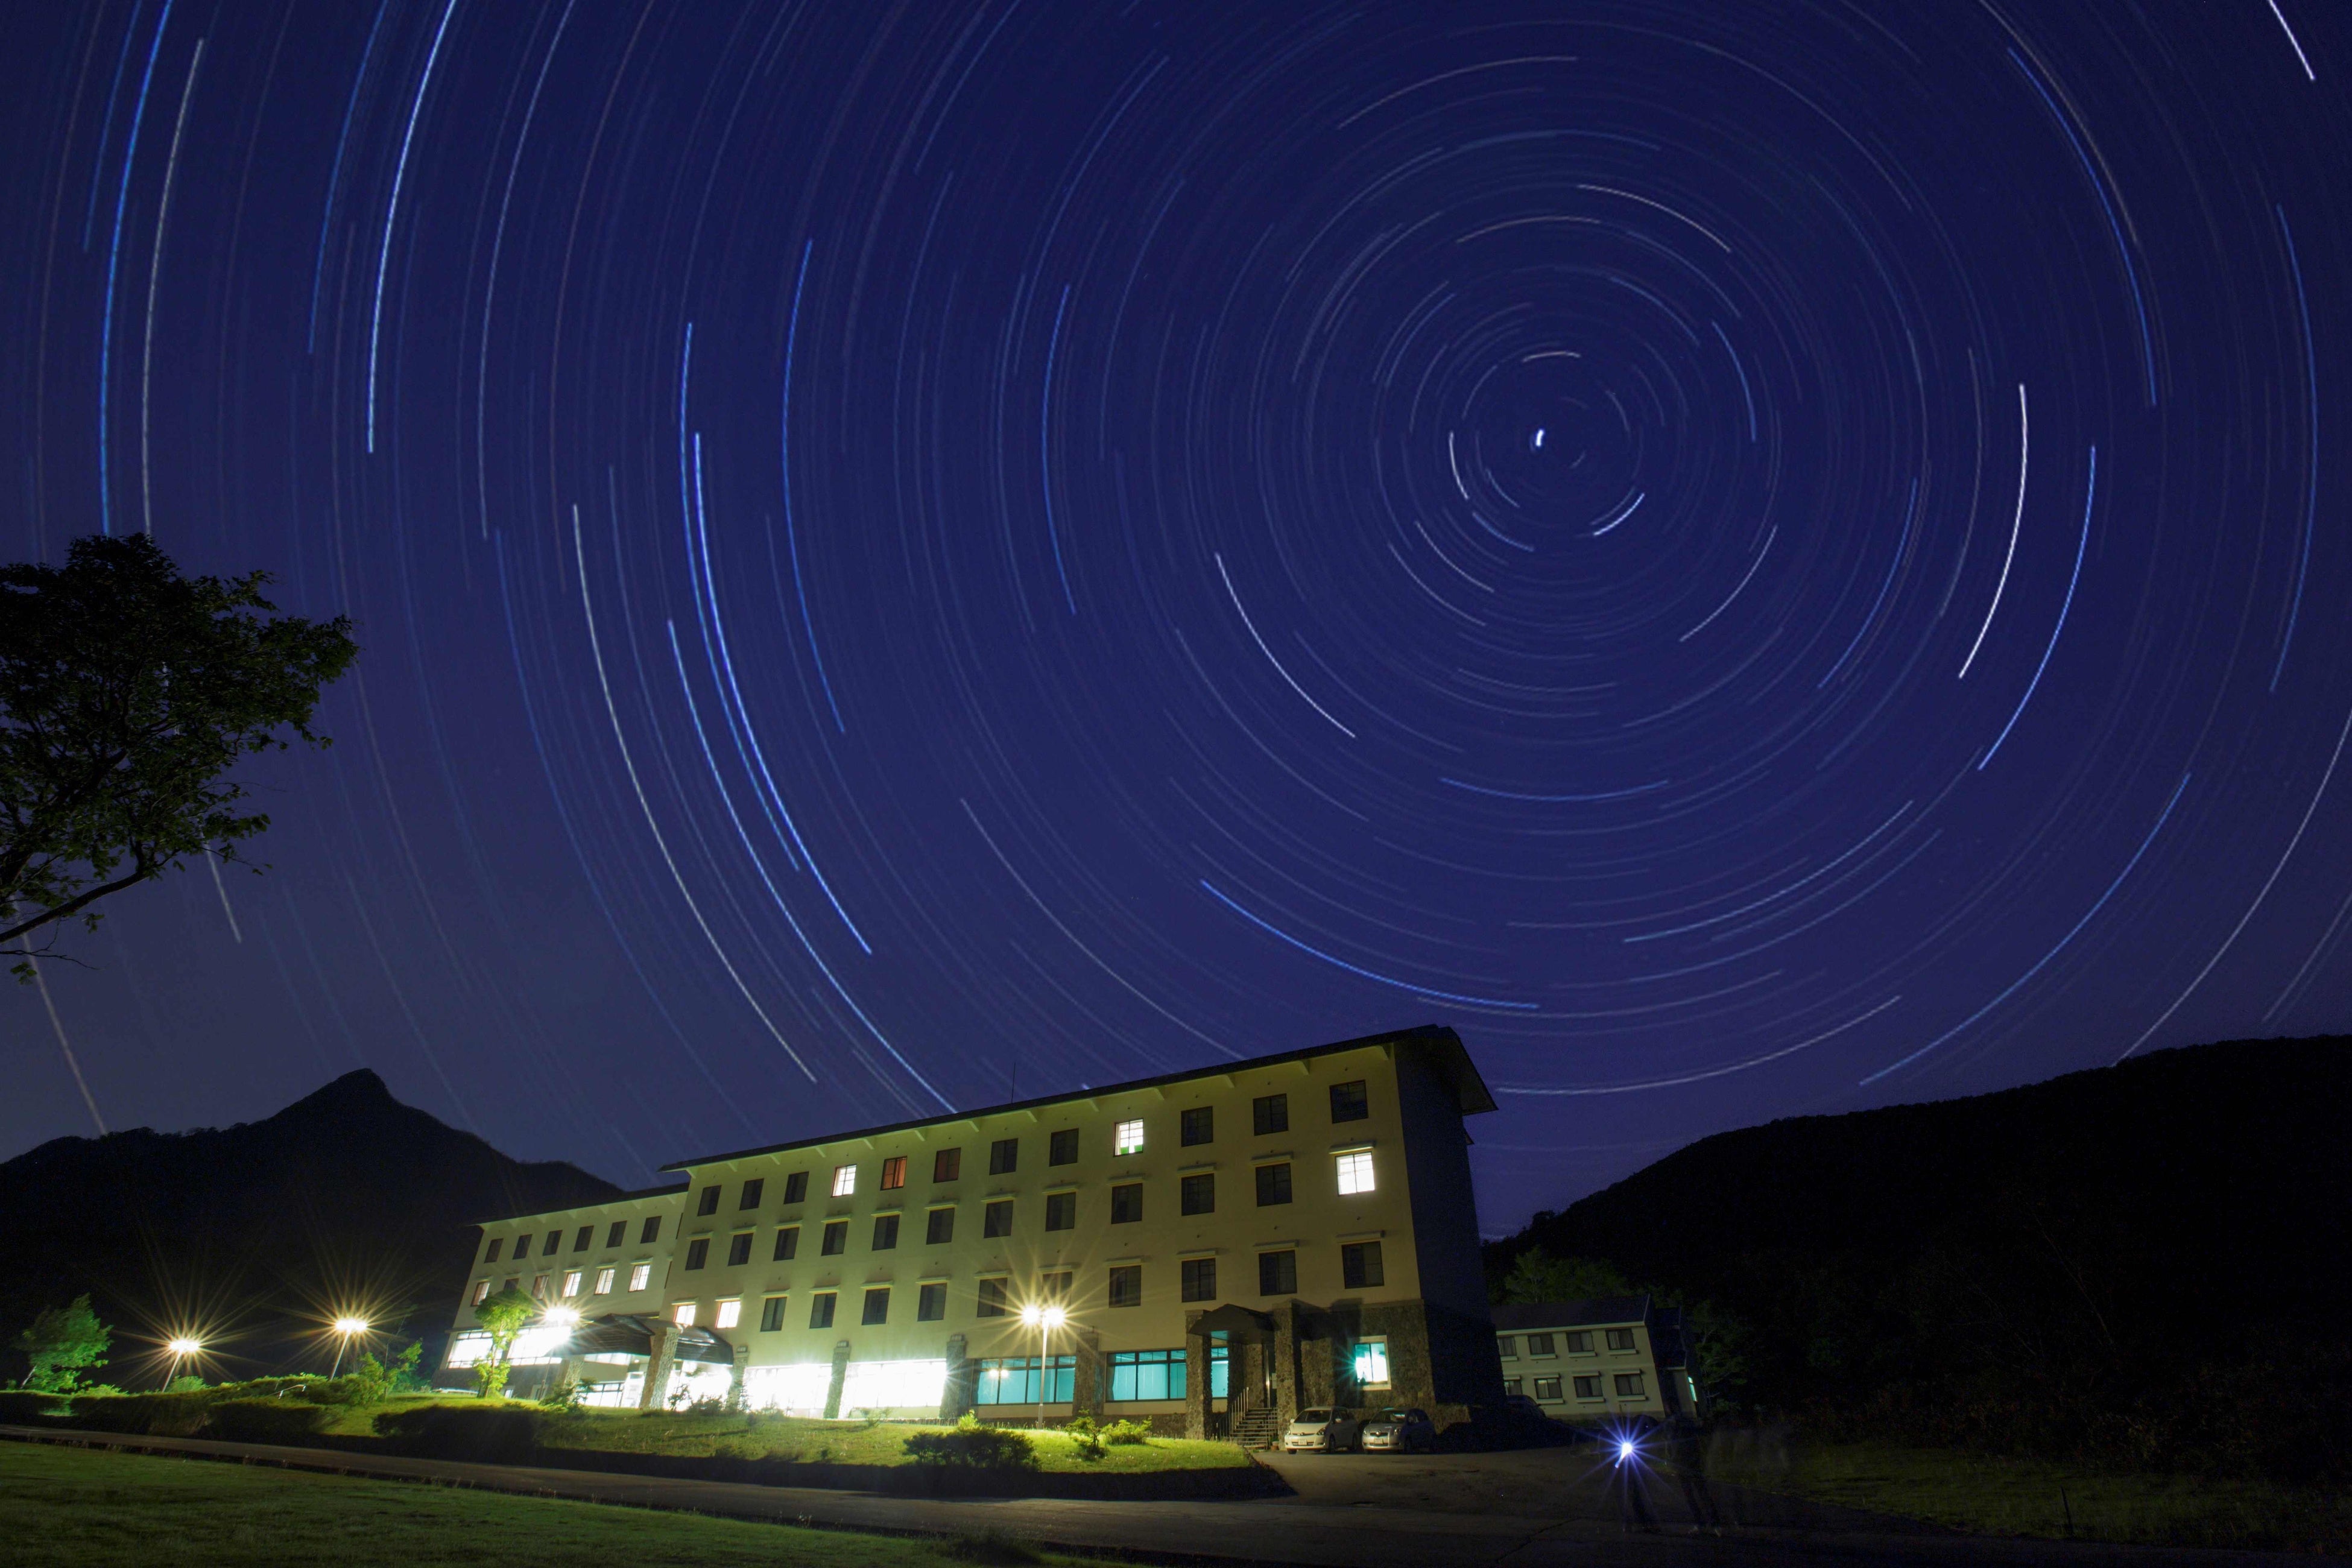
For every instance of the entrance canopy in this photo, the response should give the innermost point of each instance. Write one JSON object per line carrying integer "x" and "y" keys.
{"x": 1233, "y": 1319}
{"x": 629, "y": 1333}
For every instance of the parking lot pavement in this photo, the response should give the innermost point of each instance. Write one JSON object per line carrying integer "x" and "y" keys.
{"x": 1315, "y": 1527}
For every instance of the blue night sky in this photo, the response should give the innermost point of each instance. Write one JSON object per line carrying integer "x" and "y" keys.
{"x": 1753, "y": 560}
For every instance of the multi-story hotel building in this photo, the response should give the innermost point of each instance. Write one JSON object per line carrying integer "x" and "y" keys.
{"x": 1263, "y": 1235}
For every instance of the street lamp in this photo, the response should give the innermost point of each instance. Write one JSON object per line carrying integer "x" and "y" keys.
{"x": 560, "y": 1317}
{"x": 346, "y": 1328}
{"x": 1045, "y": 1319}
{"x": 181, "y": 1348}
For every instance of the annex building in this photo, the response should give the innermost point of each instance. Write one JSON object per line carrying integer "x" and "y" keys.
{"x": 1224, "y": 1247}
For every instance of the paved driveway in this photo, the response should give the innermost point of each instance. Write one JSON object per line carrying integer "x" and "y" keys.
{"x": 1364, "y": 1512}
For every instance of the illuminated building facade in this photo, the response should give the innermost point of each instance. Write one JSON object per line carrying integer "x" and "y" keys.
{"x": 1259, "y": 1236}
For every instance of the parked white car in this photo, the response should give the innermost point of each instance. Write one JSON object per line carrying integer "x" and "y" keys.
{"x": 1394, "y": 1431}
{"x": 1320, "y": 1431}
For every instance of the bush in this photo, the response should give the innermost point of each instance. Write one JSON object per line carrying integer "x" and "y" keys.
{"x": 972, "y": 1446}
{"x": 1084, "y": 1436}
{"x": 264, "y": 1421}
{"x": 1135, "y": 1432}
{"x": 563, "y": 1395}
{"x": 30, "y": 1405}
{"x": 186, "y": 1383}
{"x": 143, "y": 1414}
{"x": 490, "y": 1379}
{"x": 499, "y": 1433}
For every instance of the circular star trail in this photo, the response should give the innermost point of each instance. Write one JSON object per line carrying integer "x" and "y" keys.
{"x": 1751, "y": 562}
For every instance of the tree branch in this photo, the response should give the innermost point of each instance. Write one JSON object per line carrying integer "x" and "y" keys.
{"x": 74, "y": 905}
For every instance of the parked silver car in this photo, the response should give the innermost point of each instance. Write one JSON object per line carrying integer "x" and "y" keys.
{"x": 1396, "y": 1431}
{"x": 1320, "y": 1431}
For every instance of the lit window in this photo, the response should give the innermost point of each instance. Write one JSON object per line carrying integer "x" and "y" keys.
{"x": 605, "y": 1281}
{"x": 894, "y": 1172}
{"x": 1356, "y": 1173}
{"x": 640, "y": 1275}
{"x": 1373, "y": 1364}
{"x": 572, "y": 1283}
{"x": 682, "y": 1314}
{"x": 481, "y": 1291}
{"x": 1127, "y": 1137}
{"x": 729, "y": 1314}
{"x": 845, "y": 1179}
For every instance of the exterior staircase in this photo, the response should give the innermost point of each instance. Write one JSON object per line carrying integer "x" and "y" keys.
{"x": 1258, "y": 1428}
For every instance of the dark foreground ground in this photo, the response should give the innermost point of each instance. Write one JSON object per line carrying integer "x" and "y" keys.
{"x": 1530, "y": 1509}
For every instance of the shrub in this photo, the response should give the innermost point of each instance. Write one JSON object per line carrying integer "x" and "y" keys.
{"x": 1084, "y": 1436}
{"x": 30, "y": 1405}
{"x": 186, "y": 1383}
{"x": 145, "y": 1415}
{"x": 490, "y": 1379}
{"x": 491, "y": 1433}
{"x": 562, "y": 1395}
{"x": 1136, "y": 1432}
{"x": 974, "y": 1447}
{"x": 263, "y": 1420}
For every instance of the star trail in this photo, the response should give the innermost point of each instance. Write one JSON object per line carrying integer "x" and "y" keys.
{"x": 1754, "y": 561}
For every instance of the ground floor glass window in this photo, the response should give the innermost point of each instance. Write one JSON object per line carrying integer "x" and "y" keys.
{"x": 1014, "y": 1380}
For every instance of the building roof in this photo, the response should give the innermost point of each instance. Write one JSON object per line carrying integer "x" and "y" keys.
{"x": 1521, "y": 1317}
{"x": 1453, "y": 1064}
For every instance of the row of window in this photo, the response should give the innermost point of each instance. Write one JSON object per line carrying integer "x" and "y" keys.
{"x": 1277, "y": 1274}
{"x": 552, "y": 1242}
{"x": 1629, "y": 1386}
{"x": 640, "y": 1276}
{"x": 1270, "y": 1113}
{"x": 1580, "y": 1343}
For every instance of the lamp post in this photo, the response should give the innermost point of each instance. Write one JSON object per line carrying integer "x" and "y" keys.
{"x": 181, "y": 1349}
{"x": 344, "y": 1328}
{"x": 1045, "y": 1319}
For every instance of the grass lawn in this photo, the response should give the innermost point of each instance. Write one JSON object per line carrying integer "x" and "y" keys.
{"x": 2030, "y": 1498}
{"x": 69, "y": 1508}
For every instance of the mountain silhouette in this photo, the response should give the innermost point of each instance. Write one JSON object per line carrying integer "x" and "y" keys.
{"x": 253, "y": 1236}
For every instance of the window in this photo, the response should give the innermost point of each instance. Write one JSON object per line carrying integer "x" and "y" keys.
{"x": 618, "y": 1234}
{"x": 1588, "y": 1387}
{"x": 1277, "y": 1273}
{"x": 947, "y": 1164}
{"x": 739, "y": 1249}
{"x": 844, "y": 1181}
{"x": 878, "y": 1307}
{"x": 821, "y": 1310}
{"x": 580, "y": 1242}
{"x": 1372, "y": 1362}
{"x": 651, "y": 1231}
{"x": 992, "y": 1299}
{"x": 1054, "y": 1287}
{"x": 1197, "y": 1194}
{"x": 1015, "y": 1380}
{"x": 1360, "y": 1266}
{"x": 996, "y": 1219}
{"x": 1512, "y": 1384}
{"x": 938, "y": 1227}
{"x": 1273, "y": 1185}
{"x": 1547, "y": 1388}
{"x": 1347, "y": 1101}
{"x": 836, "y": 1238}
{"x": 1062, "y": 1148}
{"x": 1629, "y": 1386}
{"x": 698, "y": 1252}
{"x": 1507, "y": 1346}
{"x": 894, "y": 1173}
{"x": 481, "y": 1291}
{"x": 752, "y": 1191}
{"x": 931, "y": 1303}
{"x": 492, "y": 1255}
{"x": 885, "y": 1232}
{"x": 1198, "y": 1125}
{"x": 510, "y": 1284}
{"x": 572, "y": 1283}
{"x": 1061, "y": 1211}
{"x": 1356, "y": 1173}
{"x": 1127, "y": 1285}
{"x": 1003, "y": 1156}
{"x": 1621, "y": 1339}
{"x": 1580, "y": 1343}
{"x": 796, "y": 1188}
{"x": 1200, "y": 1279}
{"x": 640, "y": 1275}
{"x": 729, "y": 1314}
{"x": 605, "y": 1281}
{"x": 708, "y": 1203}
{"x": 554, "y": 1244}
{"x": 1270, "y": 1113}
{"x": 1539, "y": 1344}
{"x": 788, "y": 1242}
{"x": 1147, "y": 1374}
{"x": 772, "y": 1314}
{"x": 682, "y": 1314}
{"x": 1127, "y": 1137}
{"x": 1127, "y": 1203}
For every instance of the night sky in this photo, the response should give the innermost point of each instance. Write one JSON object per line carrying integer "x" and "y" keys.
{"x": 1753, "y": 559}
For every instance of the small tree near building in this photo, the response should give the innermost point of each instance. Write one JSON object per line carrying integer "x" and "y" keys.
{"x": 63, "y": 1343}
{"x": 503, "y": 1316}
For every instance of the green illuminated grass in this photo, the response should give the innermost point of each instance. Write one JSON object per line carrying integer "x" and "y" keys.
{"x": 73, "y": 1508}
{"x": 2030, "y": 1498}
